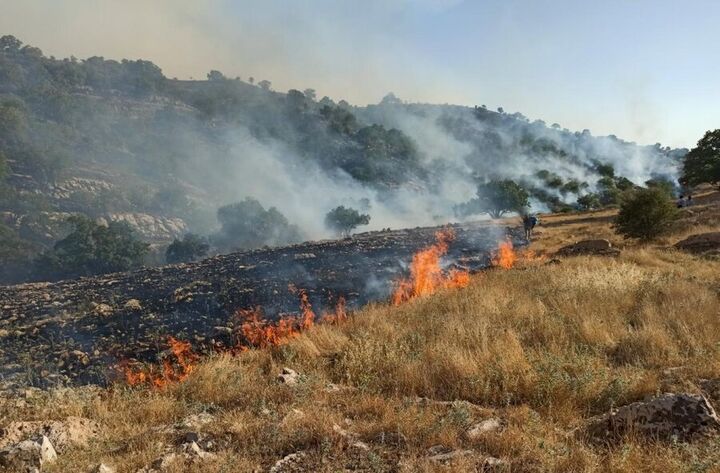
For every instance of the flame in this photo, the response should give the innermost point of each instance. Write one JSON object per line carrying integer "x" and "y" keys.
{"x": 337, "y": 317}
{"x": 426, "y": 274}
{"x": 505, "y": 256}
{"x": 172, "y": 370}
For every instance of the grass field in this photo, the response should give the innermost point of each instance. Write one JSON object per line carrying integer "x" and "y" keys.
{"x": 541, "y": 347}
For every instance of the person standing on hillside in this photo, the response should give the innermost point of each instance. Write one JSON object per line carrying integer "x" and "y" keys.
{"x": 529, "y": 222}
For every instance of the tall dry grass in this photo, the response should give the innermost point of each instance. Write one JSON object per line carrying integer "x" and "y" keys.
{"x": 543, "y": 347}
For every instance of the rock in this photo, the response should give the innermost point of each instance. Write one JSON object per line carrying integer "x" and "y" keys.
{"x": 102, "y": 468}
{"x": 197, "y": 421}
{"x": 103, "y": 310}
{"x": 486, "y": 426}
{"x": 288, "y": 376}
{"x": 492, "y": 464}
{"x": 165, "y": 461}
{"x": 450, "y": 456}
{"x": 193, "y": 450}
{"x": 134, "y": 305}
{"x": 28, "y": 455}
{"x": 288, "y": 463}
{"x": 589, "y": 247}
{"x": 700, "y": 243}
{"x": 73, "y": 431}
{"x": 670, "y": 416}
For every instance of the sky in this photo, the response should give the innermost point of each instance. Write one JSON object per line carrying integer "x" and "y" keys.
{"x": 644, "y": 70}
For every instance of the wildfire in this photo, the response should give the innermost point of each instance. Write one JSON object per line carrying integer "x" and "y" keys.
{"x": 173, "y": 370}
{"x": 426, "y": 274}
{"x": 505, "y": 257}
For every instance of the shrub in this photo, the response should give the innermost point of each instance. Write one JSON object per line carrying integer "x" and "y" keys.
{"x": 344, "y": 220}
{"x": 248, "y": 225}
{"x": 646, "y": 214}
{"x": 91, "y": 249}
{"x": 190, "y": 248}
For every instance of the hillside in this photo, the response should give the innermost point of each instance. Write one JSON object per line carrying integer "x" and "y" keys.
{"x": 119, "y": 141}
{"x": 511, "y": 373}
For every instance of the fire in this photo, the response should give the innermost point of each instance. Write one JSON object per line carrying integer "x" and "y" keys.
{"x": 505, "y": 256}
{"x": 337, "y": 317}
{"x": 172, "y": 370}
{"x": 426, "y": 274}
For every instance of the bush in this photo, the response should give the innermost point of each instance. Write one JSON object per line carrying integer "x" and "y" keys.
{"x": 248, "y": 225}
{"x": 190, "y": 248}
{"x": 344, "y": 220}
{"x": 91, "y": 249}
{"x": 589, "y": 202}
{"x": 646, "y": 214}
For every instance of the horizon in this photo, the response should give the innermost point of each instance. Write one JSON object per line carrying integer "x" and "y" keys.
{"x": 648, "y": 81}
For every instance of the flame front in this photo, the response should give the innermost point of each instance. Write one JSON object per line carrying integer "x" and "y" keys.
{"x": 426, "y": 274}
{"x": 174, "y": 369}
{"x": 505, "y": 256}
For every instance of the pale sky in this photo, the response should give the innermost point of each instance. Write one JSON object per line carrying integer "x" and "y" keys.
{"x": 645, "y": 70}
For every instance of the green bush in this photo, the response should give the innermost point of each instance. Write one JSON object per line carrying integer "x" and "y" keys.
{"x": 190, "y": 248}
{"x": 345, "y": 219}
{"x": 646, "y": 214}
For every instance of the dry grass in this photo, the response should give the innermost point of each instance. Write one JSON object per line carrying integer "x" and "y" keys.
{"x": 543, "y": 347}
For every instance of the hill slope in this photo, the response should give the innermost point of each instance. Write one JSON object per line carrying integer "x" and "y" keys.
{"x": 118, "y": 140}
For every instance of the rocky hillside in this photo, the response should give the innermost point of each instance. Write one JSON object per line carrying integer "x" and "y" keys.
{"x": 117, "y": 140}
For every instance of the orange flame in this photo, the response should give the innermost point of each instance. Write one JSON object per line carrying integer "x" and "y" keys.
{"x": 505, "y": 257}
{"x": 172, "y": 370}
{"x": 426, "y": 274}
{"x": 339, "y": 316}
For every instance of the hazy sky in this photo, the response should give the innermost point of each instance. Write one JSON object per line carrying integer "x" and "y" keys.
{"x": 645, "y": 70}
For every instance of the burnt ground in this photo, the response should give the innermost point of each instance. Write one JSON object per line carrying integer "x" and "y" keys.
{"x": 74, "y": 331}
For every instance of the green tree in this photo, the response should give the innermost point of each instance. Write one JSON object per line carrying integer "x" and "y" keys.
{"x": 589, "y": 201}
{"x": 661, "y": 183}
{"x": 605, "y": 170}
{"x": 702, "y": 163}
{"x": 91, "y": 249}
{"x": 345, "y": 219}
{"x": 496, "y": 198}
{"x": 248, "y": 225}
{"x": 646, "y": 214}
{"x": 192, "y": 247}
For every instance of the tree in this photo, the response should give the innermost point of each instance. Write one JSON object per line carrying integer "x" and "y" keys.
{"x": 589, "y": 202}
{"x": 190, "y": 248}
{"x": 248, "y": 225}
{"x": 9, "y": 43}
{"x": 310, "y": 94}
{"x": 605, "y": 170}
{"x": 702, "y": 163}
{"x": 496, "y": 198}
{"x": 265, "y": 84}
{"x": 646, "y": 214}
{"x": 215, "y": 75}
{"x": 91, "y": 249}
{"x": 662, "y": 183}
{"x": 345, "y": 219}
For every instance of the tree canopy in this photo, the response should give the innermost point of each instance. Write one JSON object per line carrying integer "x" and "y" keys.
{"x": 190, "y": 248}
{"x": 702, "y": 163}
{"x": 496, "y": 198}
{"x": 345, "y": 219}
{"x": 248, "y": 225}
{"x": 92, "y": 249}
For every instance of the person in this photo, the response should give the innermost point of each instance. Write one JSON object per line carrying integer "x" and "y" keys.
{"x": 680, "y": 202}
{"x": 688, "y": 201}
{"x": 529, "y": 222}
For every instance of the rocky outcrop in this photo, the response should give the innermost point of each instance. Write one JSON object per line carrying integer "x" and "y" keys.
{"x": 701, "y": 243}
{"x": 670, "y": 416}
{"x": 27, "y": 456}
{"x": 71, "y": 432}
{"x": 152, "y": 227}
{"x": 589, "y": 247}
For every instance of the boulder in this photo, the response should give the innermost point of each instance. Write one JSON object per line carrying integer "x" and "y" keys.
{"x": 289, "y": 463}
{"x": 102, "y": 468}
{"x": 288, "y": 376}
{"x": 73, "y": 431}
{"x": 134, "y": 305}
{"x": 27, "y": 456}
{"x": 670, "y": 416}
{"x": 700, "y": 243}
{"x": 589, "y": 247}
{"x": 484, "y": 427}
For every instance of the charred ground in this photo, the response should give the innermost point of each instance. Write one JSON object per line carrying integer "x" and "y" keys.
{"x": 76, "y": 330}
